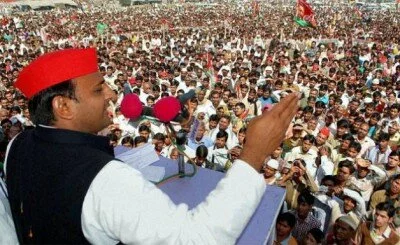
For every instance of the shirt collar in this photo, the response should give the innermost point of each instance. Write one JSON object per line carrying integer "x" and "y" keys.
{"x": 385, "y": 234}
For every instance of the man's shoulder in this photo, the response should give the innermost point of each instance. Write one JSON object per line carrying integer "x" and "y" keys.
{"x": 379, "y": 194}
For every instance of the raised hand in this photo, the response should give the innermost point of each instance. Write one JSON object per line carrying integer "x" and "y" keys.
{"x": 266, "y": 132}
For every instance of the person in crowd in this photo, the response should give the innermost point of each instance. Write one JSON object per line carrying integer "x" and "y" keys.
{"x": 378, "y": 231}
{"x": 284, "y": 227}
{"x": 343, "y": 231}
{"x": 305, "y": 221}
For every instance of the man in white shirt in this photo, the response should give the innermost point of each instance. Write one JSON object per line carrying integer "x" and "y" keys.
{"x": 365, "y": 141}
{"x": 115, "y": 203}
{"x": 223, "y": 124}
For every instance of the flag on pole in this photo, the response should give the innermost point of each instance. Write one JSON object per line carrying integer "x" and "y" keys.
{"x": 357, "y": 13}
{"x": 101, "y": 27}
{"x": 304, "y": 14}
{"x": 256, "y": 8}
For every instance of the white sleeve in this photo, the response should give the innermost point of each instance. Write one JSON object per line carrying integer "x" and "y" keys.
{"x": 327, "y": 165}
{"x": 121, "y": 205}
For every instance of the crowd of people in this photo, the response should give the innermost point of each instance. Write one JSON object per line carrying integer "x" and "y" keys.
{"x": 340, "y": 159}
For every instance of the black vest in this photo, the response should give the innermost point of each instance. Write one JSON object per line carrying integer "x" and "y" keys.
{"x": 49, "y": 172}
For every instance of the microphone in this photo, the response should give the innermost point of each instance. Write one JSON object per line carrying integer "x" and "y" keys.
{"x": 165, "y": 110}
{"x": 131, "y": 107}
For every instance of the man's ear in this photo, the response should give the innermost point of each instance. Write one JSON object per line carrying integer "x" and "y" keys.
{"x": 62, "y": 107}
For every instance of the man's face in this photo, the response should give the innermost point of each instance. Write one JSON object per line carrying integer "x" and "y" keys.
{"x": 223, "y": 123}
{"x": 266, "y": 94}
{"x": 277, "y": 153}
{"x": 363, "y": 131}
{"x": 321, "y": 139}
{"x": 342, "y": 231}
{"x": 269, "y": 172}
{"x": 382, "y": 219}
{"x": 225, "y": 96}
{"x": 212, "y": 124}
{"x": 393, "y": 161}
{"x": 343, "y": 174}
{"x": 306, "y": 146}
{"x": 238, "y": 110}
{"x": 341, "y": 131}
{"x": 283, "y": 229}
{"x": 348, "y": 204}
{"x": 201, "y": 95}
{"x": 3, "y": 114}
{"x": 303, "y": 209}
{"x": 200, "y": 133}
{"x": 215, "y": 99}
{"x": 220, "y": 142}
{"x": 394, "y": 113}
{"x": 144, "y": 134}
{"x": 395, "y": 187}
{"x": 91, "y": 109}
{"x": 383, "y": 144}
{"x": 352, "y": 152}
{"x": 147, "y": 88}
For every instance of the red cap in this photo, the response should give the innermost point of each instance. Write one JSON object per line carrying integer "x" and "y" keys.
{"x": 54, "y": 68}
{"x": 325, "y": 131}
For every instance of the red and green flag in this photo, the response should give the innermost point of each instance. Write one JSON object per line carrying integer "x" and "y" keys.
{"x": 305, "y": 16}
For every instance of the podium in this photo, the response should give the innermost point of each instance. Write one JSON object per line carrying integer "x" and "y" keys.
{"x": 194, "y": 190}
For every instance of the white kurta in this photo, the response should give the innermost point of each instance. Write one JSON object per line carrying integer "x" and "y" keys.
{"x": 121, "y": 205}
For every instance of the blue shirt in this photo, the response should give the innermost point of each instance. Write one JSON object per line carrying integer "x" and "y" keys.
{"x": 324, "y": 99}
{"x": 265, "y": 101}
{"x": 206, "y": 141}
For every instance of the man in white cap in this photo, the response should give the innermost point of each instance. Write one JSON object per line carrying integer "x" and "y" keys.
{"x": 270, "y": 169}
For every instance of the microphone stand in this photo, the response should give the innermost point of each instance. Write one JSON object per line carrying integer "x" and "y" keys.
{"x": 180, "y": 140}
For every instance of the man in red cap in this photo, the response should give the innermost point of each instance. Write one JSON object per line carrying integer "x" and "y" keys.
{"x": 65, "y": 186}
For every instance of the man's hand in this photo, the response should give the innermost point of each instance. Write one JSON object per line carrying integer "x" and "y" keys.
{"x": 266, "y": 132}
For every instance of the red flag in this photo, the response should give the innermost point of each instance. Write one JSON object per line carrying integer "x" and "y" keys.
{"x": 304, "y": 12}
{"x": 256, "y": 8}
{"x": 209, "y": 61}
{"x": 304, "y": 9}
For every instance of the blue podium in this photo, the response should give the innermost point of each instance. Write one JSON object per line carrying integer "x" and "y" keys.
{"x": 194, "y": 190}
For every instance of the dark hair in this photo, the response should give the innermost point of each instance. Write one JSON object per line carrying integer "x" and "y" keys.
{"x": 222, "y": 134}
{"x": 214, "y": 117}
{"x": 383, "y": 137}
{"x": 394, "y": 153}
{"x": 112, "y": 137}
{"x": 355, "y": 145}
{"x": 159, "y": 136}
{"x": 306, "y": 197}
{"x": 127, "y": 139}
{"x": 329, "y": 178}
{"x": 40, "y": 106}
{"x": 16, "y": 109}
{"x": 348, "y": 164}
{"x": 348, "y": 137}
{"x": 317, "y": 234}
{"x": 139, "y": 139}
{"x": 386, "y": 206}
{"x": 241, "y": 105}
{"x": 310, "y": 138}
{"x": 288, "y": 217}
{"x": 343, "y": 123}
{"x": 144, "y": 128}
{"x": 201, "y": 151}
{"x": 308, "y": 109}
{"x": 319, "y": 104}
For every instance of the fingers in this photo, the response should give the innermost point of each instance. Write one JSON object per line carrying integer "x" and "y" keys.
{"x": 286, "y": 109}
